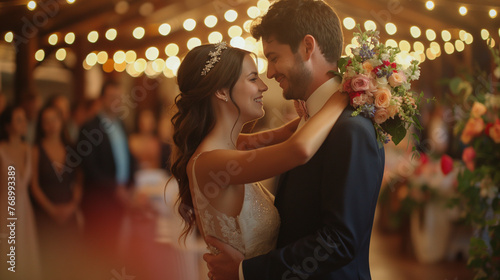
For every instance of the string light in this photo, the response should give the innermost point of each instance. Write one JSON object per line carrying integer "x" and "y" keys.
{"x": 349, "y": 23}
{"x": 253, "y": 12}
{"x": 430, "y": 34}
{"x": 69, "y": 38}
{"x": 9, "y": 37}
{"x": 429, "y": 5}
{"x": 91, "y": 59}
{"x": 238, "y": 42}
{"x": 462, "y": 10}
{"x": 111, "y": 34}
{"x": 130, "y": 56}
{"x": 234, "y": 31}
{"x": 119, "y": 57}
{"x": 370, "y": 25}
{"x": 70, "y": 1}
{"x": 40, "y": 55}
{"x": 31, "y": 5}
{"x": 189, "y": 24}
{"x": 93, "y": 36}
{"x": 152, "y": 53}
{"x": 485, "y": 34}
{"x": 171, "y": 49}
{"x": 449, "y": 48}
{"x": 165, "y": 29}
{"x": 459, "y": 45}
{"x": 493, "y": 13}
{"x": 247, "y": 25}
{"x": 193, "y": 43}
{"x": 138, "y": 32}
{"x": 446, "y": 35}
{"x": 61, "y": 54}
{"x": 418, "y": 46}
{"x": 210, "y": 21}
{"x": 391, "y": 43}
{"x": 102, "y": 57}
{"x": 404, "y": 46}
{"x": 215, "y": 37}
{"x": 53, "y": 38}
{"x": 391, "y": 28}
{"x": 231, "y": 15}
{"x": 140, "y": 65}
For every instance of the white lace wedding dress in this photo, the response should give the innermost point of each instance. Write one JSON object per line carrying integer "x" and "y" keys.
{"x": 253, "y": 232}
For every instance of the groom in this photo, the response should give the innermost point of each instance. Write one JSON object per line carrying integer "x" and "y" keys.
{"x": 327, "y": 205}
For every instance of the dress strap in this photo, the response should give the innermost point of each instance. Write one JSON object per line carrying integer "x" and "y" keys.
{"x": 193, "y": 173}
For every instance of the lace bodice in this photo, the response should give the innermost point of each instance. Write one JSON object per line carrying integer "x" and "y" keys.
{"x": 253, "y": 232}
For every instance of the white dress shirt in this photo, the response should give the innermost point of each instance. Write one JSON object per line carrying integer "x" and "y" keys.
{"x": 313, "y": 104}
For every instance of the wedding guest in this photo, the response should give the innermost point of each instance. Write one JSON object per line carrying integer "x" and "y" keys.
{"x": 31, "y": 103}
{"x": 145, "y": 144}
{"x": 16, "y": 169}
{"x": 108, "y": 168}
{"x": 62, "y": 103}
{"x": 57, "y": 189}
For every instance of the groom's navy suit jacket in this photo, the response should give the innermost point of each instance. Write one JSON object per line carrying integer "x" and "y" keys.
{"x": 327, "y": 208}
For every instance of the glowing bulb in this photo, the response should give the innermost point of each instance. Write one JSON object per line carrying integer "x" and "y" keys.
{"x": 391, "y": 28}
{"x": 349, "y": 23}
{"x": 70, "y": 1}
{"x": 61, "y": 54}
{"x": 429, "y": 5}
{"x": 253, "y": 12}
{"x": 173, "y": 63}
{"x": 93, "y": 36}
{"x": 404, "y": 46}
{"x": 435, "y": 48}
{"x": 430, "y": 34}
{"x": 164, "y": 29}
{"x": 130, "y": 56}
{"x": 238, "y": 42}
{"x": 415, "y": 32}
{"x": 40, "y": 55}
{"x": 69, "y": 38}
{"x": 215, "y": 37}
{"x": 485, "y": 34}
{"x": 91, "y": 59}
{"x": 140, "y": 65}
{"x": 120, "y": 67}
{"x": 446, "y": 35}
{"x": 430, "y": 54}
{"x": 158, "y": 65}
{"x": 459, "y": 45}
{"x": 462, "y": 34}
{"x": 31, "y": 5}
{"x": 469, "y": 39}
{"x": 152, "y": 53}
{"x": 111, "y": 34}
{"x": 171, "y": 49}
{"x": 370, "y": 25}
{"x": 231, "y": 15}
{"x": 102, "y": 57}
{"x": 449, "y": 48}
{"x": 263, "y": 5}
{"x": 391, "y": 43}
{"x": 193, "y": 43}
{"x": 9, "y": 37}
{"x": 493, "y": 13}
{"x": 138, "y": 32}
{"x": 189, "y": 24}
{"x": 119, "y": 57}
{"x": 234, "y": 31}
{"x": 210, "y": 21}
{"x": 53, "y": 39}
{"x": 462, "y": 10}
{"x": 418, "y": 47}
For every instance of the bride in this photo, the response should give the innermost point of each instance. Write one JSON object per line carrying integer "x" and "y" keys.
{"x": 220, "y": 92}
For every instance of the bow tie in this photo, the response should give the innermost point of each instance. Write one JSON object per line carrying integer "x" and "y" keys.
{"x": 301, "y": 108}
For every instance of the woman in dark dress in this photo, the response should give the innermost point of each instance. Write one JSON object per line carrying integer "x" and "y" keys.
{"x": 56, "y": 189}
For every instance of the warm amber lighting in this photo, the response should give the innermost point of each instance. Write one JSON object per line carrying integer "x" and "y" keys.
{"x": 53, "y": 38}
{"x": 485, "y": 34}
{"x": 152, "y": 53}
{"x": 449, "y": 48}
{"x": 415, "y": 32}
{"x": 91, "y": 59}
{"x": 370, "y": 25}
{"x": 69, "y": 38}
{"x": 70, "y": 1}
{"x": 391, "y": 28}
{"x": 493, "y": 13}
{"x": 102, "y": 57}
{"x": 263, "y": 5}
{"x": 231, "y": 15}
{"x": 462, "y": 10}
{"x": 173, "y": 63}
{"x": 158, "y": 65}
{"x": 253, "y": 12}
{"x": 61, "y": 54}
{"x": 193, "y": 43}
{"x": 111, "y": 34}
{"x": 459, "y": 45}
{"x": 215, "y": 37}
{"x": 429, "y": 5}
{"x": 469, "y": 39}
{"x": 171, "y": 49}
{"x": 430, "y": 34}
{"x": 138, "y": 32}
{"x": 31, "y": 5}
{"x": 404, "y": 46}
{"x": 430, "y": 55}
{"x": 391, "y": 43}
{"x": 238, "y": 42}
{"x": 210, "y": 21}
{"x": 40, "y": 55}
{"x": 120, "y": 67}
{"x": 119, "y": 57}
{"x": 247, "y": 25}
{"x": 462, "y": 34}
{"x": 349, "y": 23}
{"x": 108, "y": 66}
{"x": 189, "y": 24}
{"x": 261, "y": 65}
{"x": 435, "y": 48}
{"x": 93, "y": 36}
{"x": 9, "y": 37}
{"x": 164, "y": 29}
{"x": 140, "y": 65}
{"x": 446, "y": 35}
{"x": 130, "y": 56}
{"x": 234, "y": 31}
{"x": 418, "y": 47}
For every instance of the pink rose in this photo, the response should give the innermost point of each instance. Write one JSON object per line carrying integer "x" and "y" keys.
{"x": 372, "y": 87}
{"x": 381, "y": 115}
{"x": 383, "y": 98}
{"x": 360, "y": 83}
{"x": 397, "y": 79}
{"x": 494, "y": 131}
{"x": 468, "y": 156}
{"x": 359, "y": 100}
{"x": 478, "y": 109}
{"x": 446, "y": 164}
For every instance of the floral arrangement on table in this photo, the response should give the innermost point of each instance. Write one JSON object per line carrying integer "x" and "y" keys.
{"x": 379, "y": 88}
{"x": 478, "y": 128}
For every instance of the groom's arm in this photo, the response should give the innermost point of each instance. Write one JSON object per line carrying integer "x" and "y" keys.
{"x": 351, "y": 180}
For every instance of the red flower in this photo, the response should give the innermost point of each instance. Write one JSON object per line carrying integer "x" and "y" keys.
{"x": 347, "y": 86}
{"x": 487, "y": 129}
{"x": 354, "y": 94}
{"x": 424, "y": 159}
{"x": 446, "y": 164}
{"x": 468, "y": 156}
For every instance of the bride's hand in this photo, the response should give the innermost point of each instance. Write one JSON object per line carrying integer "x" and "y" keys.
{"x": 225, "y": 265}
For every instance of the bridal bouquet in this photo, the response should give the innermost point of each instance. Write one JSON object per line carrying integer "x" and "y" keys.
{"x": 379, "y": 87}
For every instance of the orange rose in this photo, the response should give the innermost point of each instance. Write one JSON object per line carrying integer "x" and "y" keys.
{"x": 473, "y": 128}
{"x": 367, "y": 66}
{"x": 383, "y": 97}
{"x": 392, "y": 110}
{"x": 381, "y": 115}
{"x": 468, "y": 156}
{"x": 396, "y": 79}
{"x": 494, "y": 132}
{"x": 478, "y": 109}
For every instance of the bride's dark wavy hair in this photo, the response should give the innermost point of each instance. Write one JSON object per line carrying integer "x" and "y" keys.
{"x": 195, "y": 116}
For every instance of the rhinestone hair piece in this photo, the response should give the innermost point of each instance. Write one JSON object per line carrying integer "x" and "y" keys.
{"x": 214, "y": 57}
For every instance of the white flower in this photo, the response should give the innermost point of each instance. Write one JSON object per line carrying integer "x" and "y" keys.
{"x": 385, "y": 56}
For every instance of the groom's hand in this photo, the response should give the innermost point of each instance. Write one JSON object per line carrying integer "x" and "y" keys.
{"x": 225, "y": 265}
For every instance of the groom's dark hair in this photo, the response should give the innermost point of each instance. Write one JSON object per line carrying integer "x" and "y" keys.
{"x": 289, "y": 21}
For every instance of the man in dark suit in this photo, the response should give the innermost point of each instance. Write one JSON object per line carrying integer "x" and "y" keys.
{"x": 327, "y": 205}
{"x": 108, "y": 169}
